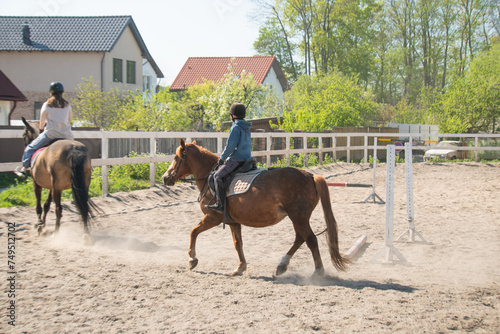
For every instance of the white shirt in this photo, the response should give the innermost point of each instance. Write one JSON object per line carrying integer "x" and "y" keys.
{"x": 58, "y": 121}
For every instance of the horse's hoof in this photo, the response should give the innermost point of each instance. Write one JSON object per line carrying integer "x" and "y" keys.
{"x": 193, "y": 262}
{"x": 281, "y": 269}
{"x": 319, "y": 273}
{"x": 45, "y": 233}
{"x": 87, "y": 240}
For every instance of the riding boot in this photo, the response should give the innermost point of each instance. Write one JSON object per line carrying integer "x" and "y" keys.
{"x": 221, "y": 198}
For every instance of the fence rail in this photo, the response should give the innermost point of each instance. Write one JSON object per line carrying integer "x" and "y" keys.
{"x": 265, "y": 145}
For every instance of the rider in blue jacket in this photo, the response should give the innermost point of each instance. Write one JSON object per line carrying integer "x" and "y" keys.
{"x": 237, "y": 151}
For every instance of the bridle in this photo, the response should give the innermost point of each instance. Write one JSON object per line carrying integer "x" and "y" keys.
{"x": 204, "y": 188}
{"x": 183, "y": 159}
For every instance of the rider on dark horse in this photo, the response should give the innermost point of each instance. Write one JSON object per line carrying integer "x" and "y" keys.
{"x": 55, "y": 119}
{"x": 237, "y": 151}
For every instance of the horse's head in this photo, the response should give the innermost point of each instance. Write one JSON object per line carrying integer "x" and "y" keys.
{"x": 179, "y": 167}
{"x": 30, "y": 132}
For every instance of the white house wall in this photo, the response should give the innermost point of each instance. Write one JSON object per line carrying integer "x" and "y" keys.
{"x": 34, "y": 71}
{"x": 4, "y": 112}
{"x": 272, "y": 79}
{"x": 126, "y": 48}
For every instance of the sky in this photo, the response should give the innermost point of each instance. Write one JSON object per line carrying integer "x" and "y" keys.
{"x": 173, "y": 30}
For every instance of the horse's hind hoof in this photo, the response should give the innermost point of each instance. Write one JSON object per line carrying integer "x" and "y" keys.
{"x": 45, "y": 233}
{"x": 281, "y": 270}
{"x": 193, "y": 262}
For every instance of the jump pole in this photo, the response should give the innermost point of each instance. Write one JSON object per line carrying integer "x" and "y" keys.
{"x": 409, "y": 197}
{"x": 346, "y": 184}
{"x": 389, "y": 250}
{"x": 351, "y": 253}
{"x": 373, "y": 196}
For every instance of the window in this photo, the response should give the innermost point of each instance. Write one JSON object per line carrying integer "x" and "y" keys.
{"x": 117, "y": 70}
{"x": 130, "y": 72}
{"x": 146, "y": 83}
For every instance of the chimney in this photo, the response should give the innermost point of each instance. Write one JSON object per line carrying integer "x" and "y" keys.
{"x": 26, "y": 33}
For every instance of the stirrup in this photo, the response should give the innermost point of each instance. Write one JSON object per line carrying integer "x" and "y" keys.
{"x": 19, "y": 171}
{"x": 216, "y": 207}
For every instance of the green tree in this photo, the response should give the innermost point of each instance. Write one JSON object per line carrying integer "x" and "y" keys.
{"x": 317, "y": 103}
{"x": 94, "y": 107}
{"x": 216, "y": 98}
{"x": 472, "y": 103}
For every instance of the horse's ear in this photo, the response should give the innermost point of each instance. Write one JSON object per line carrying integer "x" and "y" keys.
{"x": 194, "y": 142}
{"x": 28, "y": 126}
{"x": 183, "y": 143}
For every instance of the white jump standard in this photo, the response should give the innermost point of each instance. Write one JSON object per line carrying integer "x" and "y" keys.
{"x": 389, "y": 250}
{"x": 409, "y": 197}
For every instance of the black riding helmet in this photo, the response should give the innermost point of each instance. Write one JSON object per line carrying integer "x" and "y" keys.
{"x": 56, "y": 87}
{"x": 238, "y": 110}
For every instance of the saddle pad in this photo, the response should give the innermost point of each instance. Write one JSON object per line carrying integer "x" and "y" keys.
{"x": 35, "y": 155}
{"x": 242, "y": 182}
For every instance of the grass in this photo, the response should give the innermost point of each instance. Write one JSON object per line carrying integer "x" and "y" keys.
{"x": 20, "y": 192}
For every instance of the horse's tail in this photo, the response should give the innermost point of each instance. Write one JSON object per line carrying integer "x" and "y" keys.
{"x": 339, "y": 261}
{"x": 80, "y": 190}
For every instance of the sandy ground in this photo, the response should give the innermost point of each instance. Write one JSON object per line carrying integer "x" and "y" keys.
{"x": 135, "y": 279}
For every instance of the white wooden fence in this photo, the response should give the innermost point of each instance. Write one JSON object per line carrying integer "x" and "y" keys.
{"x": 154, "y": 157}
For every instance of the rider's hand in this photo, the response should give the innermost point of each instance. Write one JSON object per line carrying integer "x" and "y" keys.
{"x": 220, "y": 162}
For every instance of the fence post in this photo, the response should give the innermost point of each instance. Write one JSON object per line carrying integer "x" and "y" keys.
{"x": 476, "y": 146}
{"x": 105, "y": 168}
{"x": 366, "y": 149}
{"x": 268, "y": 149}
{"x": 152, "y": 165}
{"x": 320, "y": 154}
{"x": 287, "y": 146}
{"x": 348, "y": 149}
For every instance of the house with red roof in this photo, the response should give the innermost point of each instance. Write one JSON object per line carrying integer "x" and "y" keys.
{"x": 265, "y": 70}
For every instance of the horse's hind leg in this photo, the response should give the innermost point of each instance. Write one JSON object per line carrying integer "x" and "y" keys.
{"x": 46, "y": 207}
{"x": 283, "y": 265}
{"x": 39, "y": 211}
{"x": 304, "y": 229}
{"x": 57, "y": 200}
{"x": 238, "y": 244}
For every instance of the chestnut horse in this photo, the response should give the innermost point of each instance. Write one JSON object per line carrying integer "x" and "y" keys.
{"x": 65, "y": 164}
{"x": 273, "y": 195}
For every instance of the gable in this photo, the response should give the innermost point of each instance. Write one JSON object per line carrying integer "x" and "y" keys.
{"x": 9, "y": 91}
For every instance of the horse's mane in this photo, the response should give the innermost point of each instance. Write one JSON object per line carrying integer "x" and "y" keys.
{"x": 202, "y": 151}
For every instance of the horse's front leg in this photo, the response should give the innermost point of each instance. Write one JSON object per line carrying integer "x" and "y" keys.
{"x": 238, "y": 244}
{"x": 210, "y": 220}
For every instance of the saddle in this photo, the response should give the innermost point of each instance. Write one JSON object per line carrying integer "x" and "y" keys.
{"x": 35, "y": 155}
{"x": 239, "y": 180}
{"x": 236, "y": 182}
{"x": 40, "y": 150}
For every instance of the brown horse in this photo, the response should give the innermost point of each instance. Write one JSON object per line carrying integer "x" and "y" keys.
{"x": 274, "y": 194}
{"x": 65, "y": 164}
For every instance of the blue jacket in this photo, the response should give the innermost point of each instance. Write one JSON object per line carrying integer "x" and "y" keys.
{"x": 239, "y": 143}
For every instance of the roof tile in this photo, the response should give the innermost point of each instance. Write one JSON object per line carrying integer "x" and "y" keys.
{"x": 197, "y": 69}
{"x": 59, "y": 33}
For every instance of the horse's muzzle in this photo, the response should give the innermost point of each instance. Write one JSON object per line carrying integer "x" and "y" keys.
{"x": 168, "y": 180}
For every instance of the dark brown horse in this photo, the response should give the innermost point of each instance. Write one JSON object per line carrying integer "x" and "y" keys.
{"x": 274, "y": 194}
{"x": 63, "y": 165}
